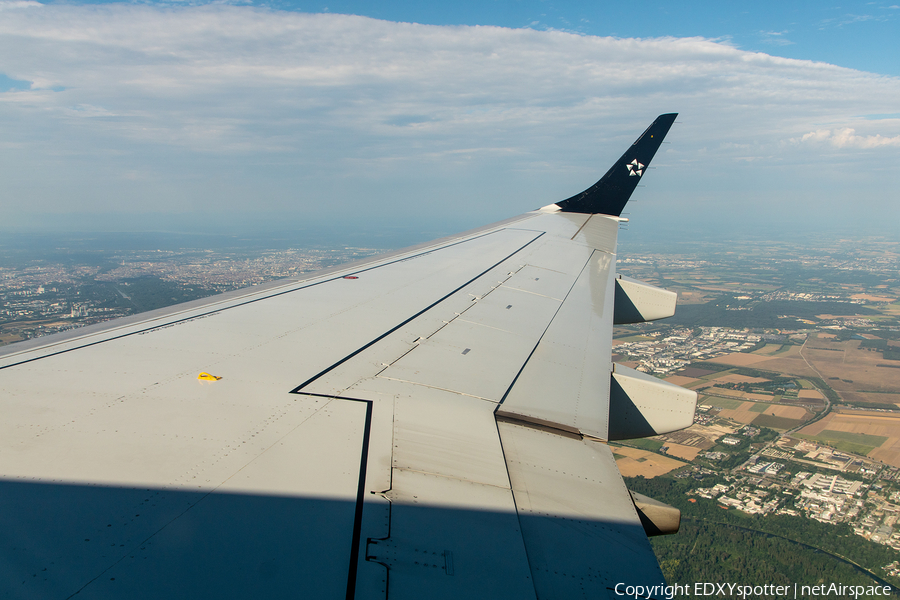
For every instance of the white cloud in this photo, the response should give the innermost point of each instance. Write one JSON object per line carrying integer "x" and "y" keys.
{"x": 850, "y": 19}
{"x": 224, "y": 104}
{"x": 776, "y": 38}
{"x": 14, "y": 4}
{"x": 846, "y": 138}
{"x": 87, "y": 110}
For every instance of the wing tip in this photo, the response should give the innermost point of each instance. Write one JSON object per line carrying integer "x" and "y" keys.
{"x": 611, "y": 193}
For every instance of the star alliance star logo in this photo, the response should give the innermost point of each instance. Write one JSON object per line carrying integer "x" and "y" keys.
{"x": 635, "y": 168}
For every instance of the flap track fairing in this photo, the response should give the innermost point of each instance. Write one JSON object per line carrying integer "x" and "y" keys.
{"x": 639, "y": 302}
{"x": 641, "y": 405}
{"x": 658, "y": 518}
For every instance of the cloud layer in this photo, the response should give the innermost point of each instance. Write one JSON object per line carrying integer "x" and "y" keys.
{"x": 236, "y": 111}
{"x": 847, "y": 138}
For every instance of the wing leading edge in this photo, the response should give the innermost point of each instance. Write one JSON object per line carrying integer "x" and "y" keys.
{"x": 436, "y": 425}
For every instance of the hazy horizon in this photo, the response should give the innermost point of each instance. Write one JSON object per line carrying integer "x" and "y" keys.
{"x": 247, "y": 120}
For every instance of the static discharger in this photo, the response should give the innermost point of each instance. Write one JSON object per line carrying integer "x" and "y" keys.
{"x": 208, "y": 377}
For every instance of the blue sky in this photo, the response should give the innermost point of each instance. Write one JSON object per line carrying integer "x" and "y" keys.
{"x": 179, "y": 117}
{"x": 857, "y": 34}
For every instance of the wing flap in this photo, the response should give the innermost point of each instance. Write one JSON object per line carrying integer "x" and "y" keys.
{"x": 450, "y": 529}
{"x": 451, "y": 539}
{"x": 452, "y": 437}
{"x": 581, "y": 531}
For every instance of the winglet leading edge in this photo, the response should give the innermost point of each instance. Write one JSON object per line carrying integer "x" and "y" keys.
{"x": 609, "y": 195}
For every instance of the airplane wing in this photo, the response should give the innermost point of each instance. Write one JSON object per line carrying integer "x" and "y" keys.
{"x": 429, "y": 423}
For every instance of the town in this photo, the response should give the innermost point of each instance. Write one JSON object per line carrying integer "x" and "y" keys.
{"x": 39, "y": 296}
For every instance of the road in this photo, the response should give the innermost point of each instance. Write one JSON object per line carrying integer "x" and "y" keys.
{"x": 818, "y": 416}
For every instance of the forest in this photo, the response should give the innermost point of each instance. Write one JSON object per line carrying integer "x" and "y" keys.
{"x": 719, "y": 545}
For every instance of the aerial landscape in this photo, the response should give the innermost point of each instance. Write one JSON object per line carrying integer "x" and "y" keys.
{"x": 794, "y": 348}
{"x": 284, "y": 168}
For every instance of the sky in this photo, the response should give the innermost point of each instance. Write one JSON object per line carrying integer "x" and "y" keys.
{"x": 427, "y": 118}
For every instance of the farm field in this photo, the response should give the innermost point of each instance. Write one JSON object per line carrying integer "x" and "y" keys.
{"x": 634, "y": 462}
{"x": 688, "y": 453}
{"x": 858, "y": 375}
{"x": 736, "y": 378}
{"x": 683, "y": 381}
{"x": 774, "y": 416}
{"x": 871, "y": 433}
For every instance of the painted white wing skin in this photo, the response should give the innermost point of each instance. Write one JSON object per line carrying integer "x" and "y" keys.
{"x": 425, "y": 424}
{"x": 123, "y": 475}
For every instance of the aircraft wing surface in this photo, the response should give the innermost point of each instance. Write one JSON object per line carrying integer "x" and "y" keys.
{"x": 431, "y": 423}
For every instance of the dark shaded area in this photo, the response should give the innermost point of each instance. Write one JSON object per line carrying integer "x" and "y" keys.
{"x": 624, "y": 309}
{"x": 99, "y": 541}
{"x": 695, "y": 372}
{"x": 109, "y": 542}
{"x": 776, "y": 422}
{"x": 626, "y": 421}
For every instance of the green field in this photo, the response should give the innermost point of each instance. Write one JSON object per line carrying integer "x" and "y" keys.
{"x": 645, "y": 444}
{"x": 768, "y": 349}
{"x": 856, "y": 443}
{"x": 720, "y": 402}
{"x": 784, "y": 348}
{"x": 843, "y": 446}
{"x": 759, "y": 407}
{"x": 694, "y": 384}
{"x": 863, "y": 439}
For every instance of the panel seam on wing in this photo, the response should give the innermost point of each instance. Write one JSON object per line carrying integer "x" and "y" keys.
{"x": 434, "y": 387}
{"x": 453, "y": 477}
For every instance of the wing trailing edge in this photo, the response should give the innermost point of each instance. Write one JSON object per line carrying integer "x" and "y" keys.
{"x": 610, "y": 195}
